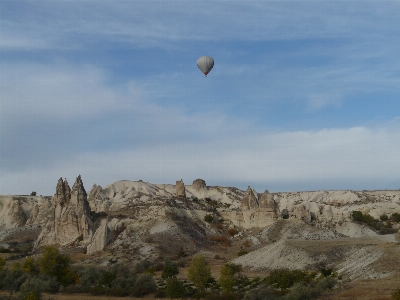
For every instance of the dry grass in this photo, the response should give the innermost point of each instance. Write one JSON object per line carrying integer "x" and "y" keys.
{"x": 371, "y": 289}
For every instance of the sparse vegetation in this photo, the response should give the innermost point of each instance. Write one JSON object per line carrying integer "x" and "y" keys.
{"x": 208, "y": 218}
{"x": 396, "y": 294}
{"x": 220, "y": 239}
{"x": 232, "y": 231}
{"x": 242, "y": 252}
{"x": 382, "y": 226}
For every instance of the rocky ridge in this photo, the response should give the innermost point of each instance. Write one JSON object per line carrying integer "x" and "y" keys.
{"x": 135, "y": 220}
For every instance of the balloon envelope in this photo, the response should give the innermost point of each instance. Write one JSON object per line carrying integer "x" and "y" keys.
{"x": 205, "y": 64}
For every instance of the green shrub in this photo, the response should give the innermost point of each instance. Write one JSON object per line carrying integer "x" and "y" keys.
{"x": 4, "y": 250}
{"x": 55, "y": 264}
{"x": 107, "y": 278}
{"x": 144, "y": 285}
{"x": 174, "y": 288}
{"x": 170, "y": 270}
{"x": 242, "y": 252}
{"x": 31, "y": 289}
{"x": 301, "y": 291}
{"x": 284, "y": 278}
{"x": 12, "y": 279}
{"x": 396, "y": 294}
{"x": 262, "y": 292}
{"x": 395, "y": 217}
{"x": 209, "y": 218}
{"x": 199, "y": 272}
{"x": 384, "y": 217}
{"x": 142, "y": 266}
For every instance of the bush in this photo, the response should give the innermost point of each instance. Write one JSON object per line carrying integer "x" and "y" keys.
{"x": 31, "y": 289}
{"x": 199, "y": 272}
{"x": 384, "y": 218}
{"x": 395, "y": 218}
{"x": 301, "y": 291}
{"x": 232, "y": 231}
{"x": 33, "y": 194}
{"x": 208, "y": 218}
{"x": 142, "y": 266}
{"x": 170, "y": 270}
{"x": 262, "y": 292}
{"x": 396, "y": 294}
{"x": 11, "y": 280}
{"x": 284, "y": 278}
{"x": 144, "y": 285}
{"x": 2, "y": 264}
{"x": 89, "y": 276}
{"x": 4, "y": 250}
{"x": 174, "y": 288}
{"x": 220, "y": 239}
{"x": 55, "y": 264}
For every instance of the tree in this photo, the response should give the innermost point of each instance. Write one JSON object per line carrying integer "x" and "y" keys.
{"x": 227, "y": 279}
{"x": 199, "y": 272}
{"x": 170, "y": 270}
{"x": 2, "y": 264}
{"x": 55, "y": 264}
{"x": 174, "y": 288}
{"x": 144, "y": 285}
{"x": 30, "y": 266}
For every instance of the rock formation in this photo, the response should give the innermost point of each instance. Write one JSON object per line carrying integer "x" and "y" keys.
{"x": 16, "y": 214}
{"x": 70, "y": 220}
{"x": 250, "y": 200}
{"x": 97, "y": 199}
{"x": 199, "y": 185}
{"x": 180, "y": 189}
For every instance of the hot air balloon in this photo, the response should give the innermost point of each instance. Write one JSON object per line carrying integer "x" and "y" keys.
{"x": 205, "y": 64}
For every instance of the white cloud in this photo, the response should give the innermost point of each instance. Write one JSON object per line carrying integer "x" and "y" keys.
{"x": 340, "y": 157}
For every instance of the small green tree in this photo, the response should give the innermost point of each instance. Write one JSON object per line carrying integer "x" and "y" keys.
{"x": 384, "y": 218}
{"x": 199, "y": 272}
{"x": 208, "y": 218}
{"x": 31, "y": 289}
{"x": 227, "y": 279}
{"x": 144, "y": 285}
{"x": 2, "y": 264}
{"x": 174, "y": 288}
{"x": 55, "y": 264}
{"x": 170, "y": 270}
{"x": 107, "y": 278}
{"x": 30, "y": 266}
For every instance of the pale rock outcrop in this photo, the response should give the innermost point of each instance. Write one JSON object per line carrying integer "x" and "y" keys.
{"x": 34, "y": 214}
{"x": 199, "y": 188}
{"x": 98, "y": 200}
{"x": 16, "y": 214}
{"x": 70, "y": 220}
{"x": 180, "y": 189}
{"x": 268, "y": 205}
{"x": 250, "y": 200}
{"x": 199, "y": 184}
{"x": 100, "y": 238}
{"x": 301, "y": 213}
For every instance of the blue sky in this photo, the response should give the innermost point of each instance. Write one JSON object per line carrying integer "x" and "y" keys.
{"x": 304, "y": 95}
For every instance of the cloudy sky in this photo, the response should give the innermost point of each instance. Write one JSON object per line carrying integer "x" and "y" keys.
{"x": 303, "y": 95}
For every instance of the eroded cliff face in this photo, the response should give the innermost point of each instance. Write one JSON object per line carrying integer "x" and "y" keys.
{"x": 66, "y": 217}
{"x": 69, "y": 218}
